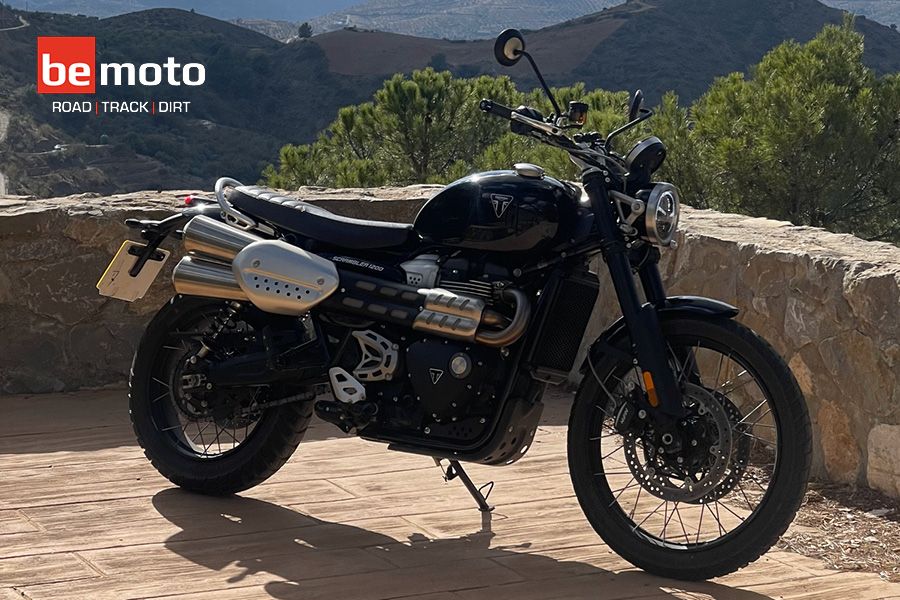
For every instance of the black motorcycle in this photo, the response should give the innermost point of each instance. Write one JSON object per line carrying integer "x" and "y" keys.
{"x": 689, "y": 439}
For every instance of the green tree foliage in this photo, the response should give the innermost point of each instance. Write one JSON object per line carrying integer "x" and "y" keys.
{"x": 811, "y": 136}
{"x": 416, "y": 129}
{"x": 304, "y": 31}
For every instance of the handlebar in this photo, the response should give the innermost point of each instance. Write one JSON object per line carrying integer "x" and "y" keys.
{"x": 585, "y": 152}
{"x": 495, "y": 108}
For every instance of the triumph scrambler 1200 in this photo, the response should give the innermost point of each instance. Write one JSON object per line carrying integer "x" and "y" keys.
{"x": 689, "y": 439}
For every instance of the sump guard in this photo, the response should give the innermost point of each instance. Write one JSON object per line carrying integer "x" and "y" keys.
{"x": 283, "y": 279}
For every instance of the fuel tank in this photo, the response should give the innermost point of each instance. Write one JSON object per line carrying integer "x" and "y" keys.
{"x": 519, "y": 210}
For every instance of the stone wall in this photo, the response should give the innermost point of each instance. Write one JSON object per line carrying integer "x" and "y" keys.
{"x": 829, "y": 303}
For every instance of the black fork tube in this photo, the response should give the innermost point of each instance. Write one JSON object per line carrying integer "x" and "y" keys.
{"x": 641, "y": 320}
{"x": 651, "y": 280}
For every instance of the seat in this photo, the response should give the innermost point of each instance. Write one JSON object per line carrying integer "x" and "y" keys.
{"x": 316, "y": 223}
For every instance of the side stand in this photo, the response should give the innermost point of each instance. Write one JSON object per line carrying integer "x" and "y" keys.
{"x": 455, "y": 470}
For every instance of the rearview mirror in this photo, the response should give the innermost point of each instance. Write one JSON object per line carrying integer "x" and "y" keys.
{"x": 637, "y": 103}
{"x": 509, "y": 47}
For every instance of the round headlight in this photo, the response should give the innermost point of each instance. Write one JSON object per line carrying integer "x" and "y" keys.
{"x": 663, "y": 210}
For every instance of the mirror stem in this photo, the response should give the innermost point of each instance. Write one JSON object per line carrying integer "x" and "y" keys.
{"x": 543, "y": 84}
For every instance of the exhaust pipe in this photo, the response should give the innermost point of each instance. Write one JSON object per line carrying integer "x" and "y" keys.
{"x": 434, "y": 311}
{"x": 283, "y": 279}
{"x": 195, "y": 276}
{"x": 209, "y": 238}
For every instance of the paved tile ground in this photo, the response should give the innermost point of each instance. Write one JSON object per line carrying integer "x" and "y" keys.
{"x": 83, "y": 515}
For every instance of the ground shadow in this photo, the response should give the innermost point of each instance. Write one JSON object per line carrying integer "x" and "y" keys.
{"x": 301, "y": 552}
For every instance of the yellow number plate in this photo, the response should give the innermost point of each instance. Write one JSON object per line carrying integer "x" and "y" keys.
{"x": 116, "y": 281}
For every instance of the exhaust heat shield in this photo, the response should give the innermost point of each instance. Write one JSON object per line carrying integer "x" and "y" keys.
{"x": 283, "y": 279}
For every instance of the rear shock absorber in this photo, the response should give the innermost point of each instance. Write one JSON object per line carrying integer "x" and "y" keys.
{"x": 223, "y": 319}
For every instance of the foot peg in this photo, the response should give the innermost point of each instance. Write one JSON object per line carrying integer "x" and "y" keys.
{"x": 456, "y": 470}
{"x": 346, "y": 416}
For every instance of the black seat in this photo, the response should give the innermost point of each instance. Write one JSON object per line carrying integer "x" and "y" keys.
{"x": 317, "y": 223}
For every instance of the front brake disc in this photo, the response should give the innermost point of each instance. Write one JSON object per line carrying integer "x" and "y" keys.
{"x": 654, "y": 475}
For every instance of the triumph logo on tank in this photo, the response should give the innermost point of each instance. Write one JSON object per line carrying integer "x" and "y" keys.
{"x": 500, "y": 203}
{"x": 68, "y": 65}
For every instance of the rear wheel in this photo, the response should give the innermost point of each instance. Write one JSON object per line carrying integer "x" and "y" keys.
{"x": 209, "y": 440}
{"x": 732, "y": 488}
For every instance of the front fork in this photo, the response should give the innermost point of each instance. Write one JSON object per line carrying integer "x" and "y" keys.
{"x": 641, "y": 319}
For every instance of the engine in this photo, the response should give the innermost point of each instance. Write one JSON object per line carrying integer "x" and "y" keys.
{"x": 393, "y": 377}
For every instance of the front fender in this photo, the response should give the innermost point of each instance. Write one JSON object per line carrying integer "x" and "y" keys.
{"x": 675, "y": 306}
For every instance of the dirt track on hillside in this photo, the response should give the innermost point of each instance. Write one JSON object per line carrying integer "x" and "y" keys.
{"x": 4, "y": 125}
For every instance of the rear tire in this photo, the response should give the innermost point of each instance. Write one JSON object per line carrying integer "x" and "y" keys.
{"x": 272, "y": 441}
{"x": 681, "y": 558}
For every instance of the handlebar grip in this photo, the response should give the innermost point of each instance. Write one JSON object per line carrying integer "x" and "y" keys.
{"x": 494, "y": 108}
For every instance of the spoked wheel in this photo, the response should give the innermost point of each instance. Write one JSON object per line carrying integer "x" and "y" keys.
{"x": 209, "y": 440}
{"x": 718, "y": 493}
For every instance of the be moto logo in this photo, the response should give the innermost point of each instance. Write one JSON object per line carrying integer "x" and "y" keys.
{"x": 68, "y": 65}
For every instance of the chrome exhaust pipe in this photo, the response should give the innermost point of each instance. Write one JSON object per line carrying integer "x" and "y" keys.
{"x": 515, "y": 329}
{"x": 195, "y": 276}
{"x": 209, "y": 238}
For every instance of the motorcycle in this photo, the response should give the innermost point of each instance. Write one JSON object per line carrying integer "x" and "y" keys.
{"x": 689, "y": 439}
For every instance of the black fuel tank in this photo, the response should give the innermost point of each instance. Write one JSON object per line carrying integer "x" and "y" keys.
{"x": 500, "y": 211}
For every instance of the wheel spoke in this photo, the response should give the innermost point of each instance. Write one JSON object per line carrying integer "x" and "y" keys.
{"x": 683, "y": 529}
{"x": 719, "y": 369}
{"x": 765, "y": 442}
{"x": 735, "y": 388}
{"x": 726, "y": 507}
{"x": 622, "y": 491}
{"x": 746, "y": 499}
{"x": 749, "y": 414}
{"x": 650, "y": 514}
{"x": 716, "y": 517}
{"x": 667, "y": 516}
{"x": 700, "y": 525}
{"x": 612, "y": 452}
{"x": 636, "y": 500}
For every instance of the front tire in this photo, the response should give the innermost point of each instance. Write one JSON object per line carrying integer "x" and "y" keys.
{"x": 261, "y": 443}
{"x": 773, "y": 430}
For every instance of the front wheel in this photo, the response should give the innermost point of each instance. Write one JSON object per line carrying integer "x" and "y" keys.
{"x": 722, "y": 493}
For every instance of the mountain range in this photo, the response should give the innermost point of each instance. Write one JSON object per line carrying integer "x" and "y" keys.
{"x": 288, "y": 10}
{"x": 261, "y": 93}
{"x": 452, "y": 19}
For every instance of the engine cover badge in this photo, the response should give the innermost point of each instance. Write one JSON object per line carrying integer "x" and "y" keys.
{"x": 447, "y": 378}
